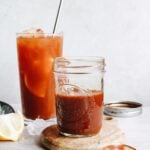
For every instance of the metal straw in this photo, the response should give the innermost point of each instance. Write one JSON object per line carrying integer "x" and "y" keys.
{"x": 57, "y": 16}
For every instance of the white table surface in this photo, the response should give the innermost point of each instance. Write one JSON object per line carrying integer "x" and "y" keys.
{"x": 137, "y": 131}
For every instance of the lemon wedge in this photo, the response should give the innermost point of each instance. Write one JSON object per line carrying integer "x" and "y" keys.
{"x": 11, "y": 126}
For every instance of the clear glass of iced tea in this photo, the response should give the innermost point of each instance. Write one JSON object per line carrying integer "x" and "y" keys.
{"x": 36, "y": 53}
{"x": 79, "y": 95}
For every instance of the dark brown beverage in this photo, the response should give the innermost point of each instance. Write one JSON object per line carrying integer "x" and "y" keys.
{"x": 79, "y": 114}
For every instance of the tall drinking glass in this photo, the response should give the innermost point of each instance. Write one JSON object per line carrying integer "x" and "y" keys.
{"x": 36, "y": 53}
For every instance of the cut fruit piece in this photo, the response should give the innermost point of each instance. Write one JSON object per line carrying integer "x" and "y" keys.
{"x": 37, "y": 77}
{"x": 11, "y": 126}
{"x": 36, "y": 85}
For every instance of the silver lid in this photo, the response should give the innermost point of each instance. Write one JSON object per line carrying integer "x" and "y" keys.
{"x": 123, "y": 109}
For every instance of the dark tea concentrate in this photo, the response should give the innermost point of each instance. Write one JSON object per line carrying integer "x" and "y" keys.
{"x": 80, "y": 114}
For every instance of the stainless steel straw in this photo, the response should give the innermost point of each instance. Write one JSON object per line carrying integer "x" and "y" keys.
{"x": 57, "y": 15}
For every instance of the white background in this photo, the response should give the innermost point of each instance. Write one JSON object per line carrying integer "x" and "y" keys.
{"x": 118, "y": 30}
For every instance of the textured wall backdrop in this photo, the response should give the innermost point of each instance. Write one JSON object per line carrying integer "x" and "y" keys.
{"x": 117, "y": 30}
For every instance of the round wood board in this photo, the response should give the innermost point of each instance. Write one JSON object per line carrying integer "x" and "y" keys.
{"x": 109, "y": 134}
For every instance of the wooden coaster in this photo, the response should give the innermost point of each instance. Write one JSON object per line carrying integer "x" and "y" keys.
{"x": 109, "y": 134}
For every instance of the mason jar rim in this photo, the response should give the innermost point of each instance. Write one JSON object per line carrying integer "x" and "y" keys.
{"x": 79, "y": 64}
{"x": 80, "y": 58}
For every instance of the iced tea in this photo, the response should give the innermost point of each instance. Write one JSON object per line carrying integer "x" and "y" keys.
{"x": 35, "y": 55}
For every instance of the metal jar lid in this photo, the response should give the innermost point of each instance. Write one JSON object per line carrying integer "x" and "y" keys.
{"x": 123, "y": 109}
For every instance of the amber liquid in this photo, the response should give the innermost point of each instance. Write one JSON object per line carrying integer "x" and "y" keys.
{"x": 79, "y": 115}
{"x": 35, "y": 56}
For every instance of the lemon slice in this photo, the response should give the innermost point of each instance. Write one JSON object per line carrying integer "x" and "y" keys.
{"x": 11, "y": 126}
{"x": 36, "y": 86}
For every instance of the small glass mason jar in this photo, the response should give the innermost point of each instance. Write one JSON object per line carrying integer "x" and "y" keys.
{"x": 79, "y": 95}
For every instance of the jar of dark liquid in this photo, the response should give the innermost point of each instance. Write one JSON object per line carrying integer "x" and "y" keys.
{"x": 79, "y": 95}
